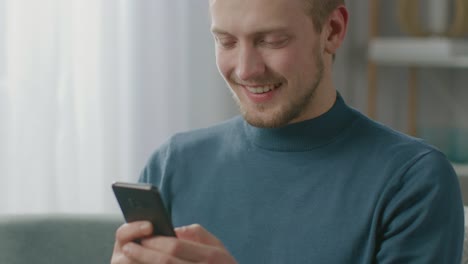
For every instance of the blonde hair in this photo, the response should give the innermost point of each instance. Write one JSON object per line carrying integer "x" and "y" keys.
{"x": 319, "y": 10}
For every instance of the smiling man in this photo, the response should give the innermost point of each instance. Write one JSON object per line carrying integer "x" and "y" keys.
{"x": 300, "y": 177}
{"x": 276, "y": 63}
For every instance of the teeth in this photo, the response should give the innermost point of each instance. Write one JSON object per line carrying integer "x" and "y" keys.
{"x": 262, "y": 89}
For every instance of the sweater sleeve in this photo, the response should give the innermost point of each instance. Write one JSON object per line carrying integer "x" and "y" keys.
{"x": 154, "y": 169}
{"x": 157, "y": 171}
{"x": 423, "y": 220}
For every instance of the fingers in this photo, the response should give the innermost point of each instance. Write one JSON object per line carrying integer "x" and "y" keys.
{"x": 195, "y": 245}
{"x": 133, "y": 231}
{"x": 197, "y": 233}
{"x": 181, "y": 249}
{"x": 118, "y": 256}
{"x": 185, "y": 250}
{"x": 143, "y": 255}
{"x": 125, "y": 234}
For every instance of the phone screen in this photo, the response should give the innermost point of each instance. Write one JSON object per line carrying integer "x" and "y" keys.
{"x": 142, "y": 202}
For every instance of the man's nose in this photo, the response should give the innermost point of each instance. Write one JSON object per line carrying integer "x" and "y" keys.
{"x": 250, "y": 64}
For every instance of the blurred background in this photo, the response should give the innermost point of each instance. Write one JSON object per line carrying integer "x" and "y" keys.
{"x": 89, "y": 89}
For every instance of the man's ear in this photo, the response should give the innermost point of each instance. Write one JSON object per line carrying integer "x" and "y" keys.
{"x": 335, "y": 29}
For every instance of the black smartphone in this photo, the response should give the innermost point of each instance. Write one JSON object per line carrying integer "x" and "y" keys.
{"x": 142, "y": 202}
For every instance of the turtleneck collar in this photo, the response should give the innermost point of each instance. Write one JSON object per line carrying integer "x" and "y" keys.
{"x": 305, "y": 135}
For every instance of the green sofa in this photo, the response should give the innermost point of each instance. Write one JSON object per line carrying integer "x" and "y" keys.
{"x": 70, "y": 239}
{"x": 57, "y": 238}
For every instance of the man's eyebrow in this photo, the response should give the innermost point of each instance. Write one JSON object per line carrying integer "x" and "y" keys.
{"x": 261, "y": 31}
{"x": 219, "y": 31}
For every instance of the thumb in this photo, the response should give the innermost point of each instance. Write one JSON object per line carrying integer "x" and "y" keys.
{"x": 196, "y": 233}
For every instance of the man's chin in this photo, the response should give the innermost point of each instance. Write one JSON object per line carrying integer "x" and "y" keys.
{"x": 264, "y": 120}
{"x": 263, "y": 116}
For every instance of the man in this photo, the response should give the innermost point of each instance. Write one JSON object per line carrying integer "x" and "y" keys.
{"x": 300, "y": 177}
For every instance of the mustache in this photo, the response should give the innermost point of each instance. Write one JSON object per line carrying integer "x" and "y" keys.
{"x": 257, "y": 81}
{"x": 261, "y": 80}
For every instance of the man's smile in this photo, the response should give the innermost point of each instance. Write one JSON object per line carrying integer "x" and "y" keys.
{"x": 260, "y": 89}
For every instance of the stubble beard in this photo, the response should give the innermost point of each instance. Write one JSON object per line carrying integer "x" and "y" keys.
{"x": 289, "y": 111}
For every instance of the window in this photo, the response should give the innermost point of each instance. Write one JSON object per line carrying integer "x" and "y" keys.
{"x": 2, "y": 45}
{"x": 2, "y": 82}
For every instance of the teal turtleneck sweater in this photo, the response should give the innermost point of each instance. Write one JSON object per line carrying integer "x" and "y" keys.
{"x": 338, "y": 189}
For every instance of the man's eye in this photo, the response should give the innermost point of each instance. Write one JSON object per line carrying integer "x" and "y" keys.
{"x": 274, "y": 43}
{"x": 225, "y": 43}
{"x": 228, "y": 44}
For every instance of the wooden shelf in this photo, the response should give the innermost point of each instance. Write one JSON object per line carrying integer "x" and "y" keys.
{"x": 420, "y": 52}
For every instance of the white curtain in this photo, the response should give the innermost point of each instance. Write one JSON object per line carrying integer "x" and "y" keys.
{"x": 91, "y": 88}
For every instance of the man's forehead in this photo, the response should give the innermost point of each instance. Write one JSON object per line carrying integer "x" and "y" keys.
{"x": 256, "y": 15}
{"x": 259, "y": 6}
{"x": 212, "y": 2}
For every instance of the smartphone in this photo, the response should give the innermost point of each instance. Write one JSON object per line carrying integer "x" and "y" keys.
{"x": 139, "y": 202}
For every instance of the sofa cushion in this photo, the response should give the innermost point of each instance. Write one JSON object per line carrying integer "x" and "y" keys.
{"x": 57, "y": 238}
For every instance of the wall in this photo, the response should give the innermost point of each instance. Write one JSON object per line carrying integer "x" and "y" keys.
{"x": 442, "y": 91}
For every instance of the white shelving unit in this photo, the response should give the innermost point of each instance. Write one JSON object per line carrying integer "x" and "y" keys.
{"x": 409, "y": 52}
{"x": 419, "y": 52}
{"x": 461, "y": 169}
{"x": 413, "y": 54}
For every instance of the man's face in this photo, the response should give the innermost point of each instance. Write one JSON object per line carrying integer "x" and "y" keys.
{"x": 270, "y": 54}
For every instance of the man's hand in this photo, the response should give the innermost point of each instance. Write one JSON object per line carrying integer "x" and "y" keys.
{"x": 193, "y": 245}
